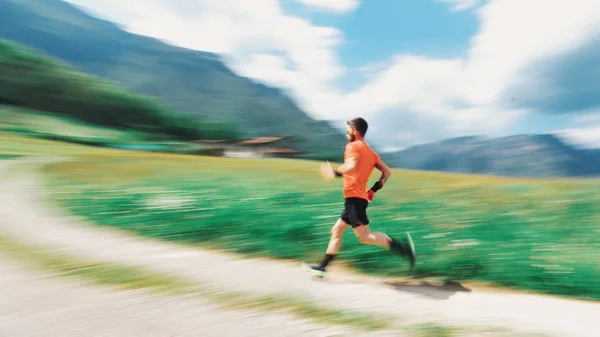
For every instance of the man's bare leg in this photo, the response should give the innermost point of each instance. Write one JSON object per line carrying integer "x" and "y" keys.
{"x": 365, "y": 236}
{"x": 335, "y": 243}
{"x": 337, "y": 235}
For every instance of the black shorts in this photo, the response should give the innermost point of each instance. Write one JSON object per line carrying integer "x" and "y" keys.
{"x": 355, "y": 212}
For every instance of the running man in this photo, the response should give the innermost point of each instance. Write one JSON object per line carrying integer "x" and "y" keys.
{"x": 359, "y": 162}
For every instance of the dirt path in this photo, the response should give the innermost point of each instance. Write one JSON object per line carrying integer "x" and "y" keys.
{"x": 33, "y": 305}
{"x": 24, "y": 215}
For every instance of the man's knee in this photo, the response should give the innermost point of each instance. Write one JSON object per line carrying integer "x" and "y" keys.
{"x": 339, "y": 228}
{"x": 362, "y": 234}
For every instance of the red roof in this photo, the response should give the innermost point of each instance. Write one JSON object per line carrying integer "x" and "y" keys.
{"x": 281, "y": 151}
{"x": 261, "y": 140}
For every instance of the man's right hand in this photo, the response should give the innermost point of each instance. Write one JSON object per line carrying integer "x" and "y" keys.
{"x": 327, "y": 171}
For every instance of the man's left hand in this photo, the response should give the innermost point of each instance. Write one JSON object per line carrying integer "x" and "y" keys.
{"x": 370, "y": 195}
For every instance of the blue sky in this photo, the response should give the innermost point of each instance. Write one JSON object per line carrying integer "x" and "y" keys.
{"x": 417, "y": 70}
{"x": 381, "y": 28}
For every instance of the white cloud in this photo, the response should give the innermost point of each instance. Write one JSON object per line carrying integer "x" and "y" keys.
{"x": 462, "y": 96}
{"x": 336, "y": 6}
{"x": 517, "y": 33}
{"x": 441, "y": 97}
{"x": 461, "y": 5}
{"x": 256, "y": 37}
{"x": 585, "y": 137}
{"x": 584, "y": 130}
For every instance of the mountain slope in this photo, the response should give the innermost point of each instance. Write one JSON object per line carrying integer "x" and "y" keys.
{"x": 194, "y": 82}
{"x": 40, "y": 83}
{"x": 517, "y": 156}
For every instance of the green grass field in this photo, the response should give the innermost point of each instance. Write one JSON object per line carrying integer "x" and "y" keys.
{"x": 539, "y": 235}
{"x": 39, "y": 124}
{"x": 47, "y": 126}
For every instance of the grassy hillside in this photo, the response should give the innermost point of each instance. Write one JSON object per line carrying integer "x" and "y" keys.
{"x": 44, "y": 124}
{"x": 536, "y": 235}
{"x": 16, "y": 121}
{"x": 38, "y": 82}
{"x": 196, "y": 83}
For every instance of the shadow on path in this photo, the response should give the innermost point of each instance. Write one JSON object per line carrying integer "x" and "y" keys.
{"x": 426, "y": 289}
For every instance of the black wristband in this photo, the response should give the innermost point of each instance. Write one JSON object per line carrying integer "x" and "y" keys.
{"x": 337, "y": 173}
{"x": 377, "y": 186}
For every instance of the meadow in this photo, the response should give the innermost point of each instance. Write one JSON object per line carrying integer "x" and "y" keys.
{"x": 43, "y": 125}
{"x": 533, "y": 235}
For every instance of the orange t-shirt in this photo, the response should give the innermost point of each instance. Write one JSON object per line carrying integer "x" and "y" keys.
{"x": 355, "y": 183}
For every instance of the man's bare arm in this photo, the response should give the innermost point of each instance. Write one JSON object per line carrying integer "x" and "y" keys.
{"x": 386, "y": 173}
{"x": 348, "y": 167}
{"x": 328, "y": 172}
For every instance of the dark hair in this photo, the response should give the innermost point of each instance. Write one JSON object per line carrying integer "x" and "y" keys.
{"x": 360, "y": 125}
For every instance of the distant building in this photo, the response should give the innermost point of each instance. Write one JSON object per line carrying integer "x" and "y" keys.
{"x": 251, "y": 148}
{"x": 288, "y": 153}
{"x": 262, "y": 147}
